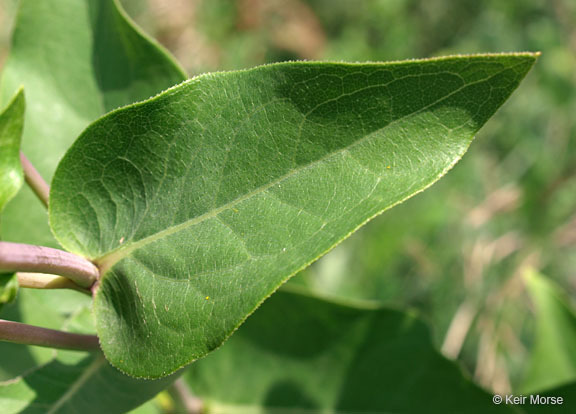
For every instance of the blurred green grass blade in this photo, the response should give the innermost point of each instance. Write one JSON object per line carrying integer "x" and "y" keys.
{"x": 306, "y": 354}
{"x": 11, "y": 126}
{"x": 200, "y": 202}
{"x": 77, "y": 60}
{"x": 553, "y": 359}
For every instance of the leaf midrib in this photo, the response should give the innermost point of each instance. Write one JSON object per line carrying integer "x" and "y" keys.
{"x": 82, "y": 379}
{"x": 106, "y": 261}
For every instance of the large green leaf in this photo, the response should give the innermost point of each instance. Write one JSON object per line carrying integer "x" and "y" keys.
{"x": 553, "y": 359}
{"x": 200, "y": 202}
{"x": 77, "y": 59}
{"x": 306, "y": 354}
{"x": 11, "y": 126}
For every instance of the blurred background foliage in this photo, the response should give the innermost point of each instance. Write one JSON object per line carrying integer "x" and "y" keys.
{"x": 456, "y": 252}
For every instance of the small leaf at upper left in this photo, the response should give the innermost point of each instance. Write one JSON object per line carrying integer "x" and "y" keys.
{"x": 11, "y": 175}
{"x": 11, "y": 126}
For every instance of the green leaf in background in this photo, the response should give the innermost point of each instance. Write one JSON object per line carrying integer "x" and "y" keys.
{"x": 77, "y": 59}
{"x": 53, "y": 310}
{"x": 305, "y": 354}
{"x": 77, "y": 383}
{"x": 200, "y": 202}
{"x": 72, "y": 382}
{"x": 11, "y": 126}
{"x": 553, "y": 359}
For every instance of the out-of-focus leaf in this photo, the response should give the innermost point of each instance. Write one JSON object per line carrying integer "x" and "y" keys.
{"x": 72, "y": 382}
{"x": 50, "y": 310}
{"x": 11, "y": 126}
{"x": 11, "y": 175}
{"x": 553, "y": 359}
{"x": 77, "y": 60}
{"x": 306, "y": 354}
{"x": 79, "y": 383}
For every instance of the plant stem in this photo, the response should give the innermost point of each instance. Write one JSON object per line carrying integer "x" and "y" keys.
{"x": 16, "y": 257}
{"x": 21, "y": 333}
{"x": 44, "y": 281}
{"x": 35, "y": 180}
{"x": 192, "y": 404}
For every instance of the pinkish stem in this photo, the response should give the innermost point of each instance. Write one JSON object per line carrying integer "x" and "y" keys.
{"x": 16, "y": 257}
{"x": 21, "y": 333}
{"x": 35, "y": 180}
